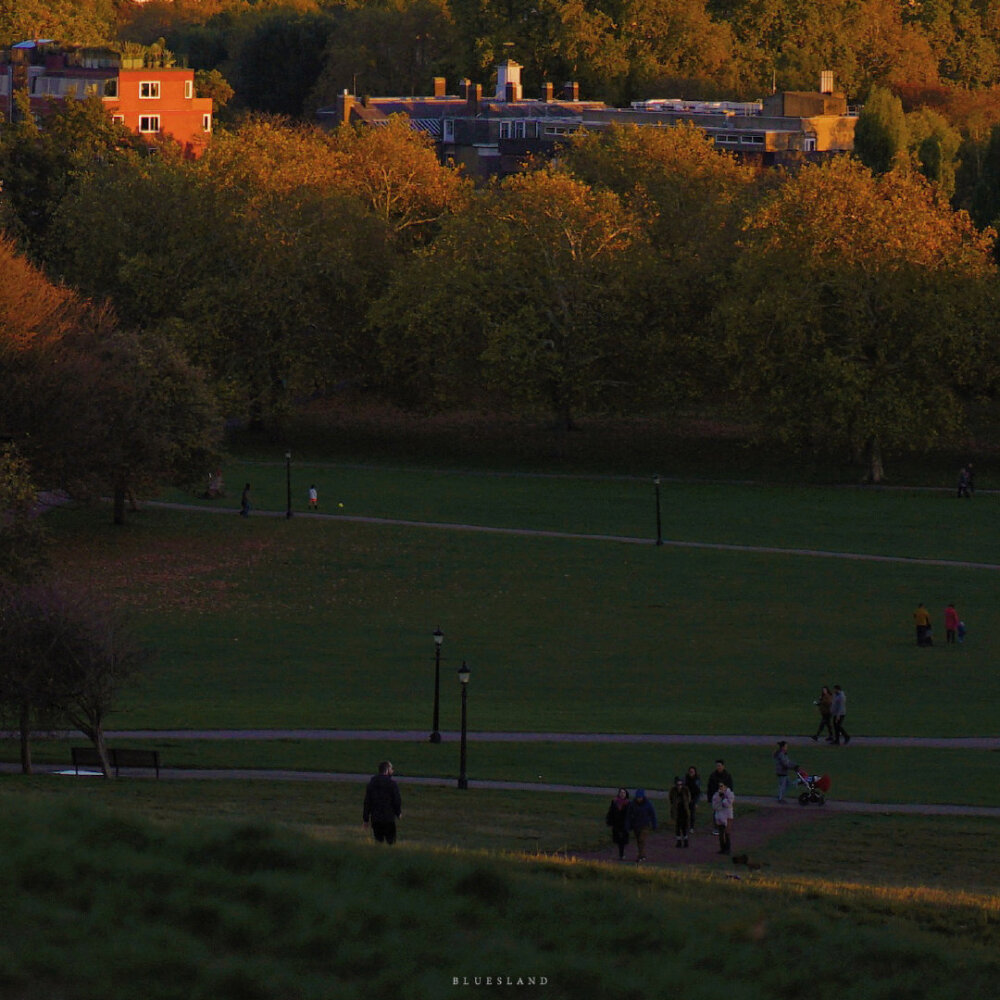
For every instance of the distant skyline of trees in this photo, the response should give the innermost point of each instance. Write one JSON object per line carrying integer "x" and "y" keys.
{"x": 644, "y": 273}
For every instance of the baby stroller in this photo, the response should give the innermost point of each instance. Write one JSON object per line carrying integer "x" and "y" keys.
{"x": 816, "y": 787}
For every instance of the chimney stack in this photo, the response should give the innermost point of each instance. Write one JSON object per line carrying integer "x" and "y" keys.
{"x": 345, "y": 104}
{"x": 571, "y": 91}
{"x": 473, "y": 95}
{"x": 463, "y": 88}
{"x": 439, "y": 86}
{"x": 548, "y": 92}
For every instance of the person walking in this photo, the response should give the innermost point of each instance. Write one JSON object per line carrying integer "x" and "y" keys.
{"x": 313, "y": 497}
{"x": 839, "y": 711}
{"x": 963, "y": 483}
{"x": 617, "y": 819}
{"x": 680, "y": 811}
{"x": 719, "y": 776}
{"x": 641, "y": 819}
{"x": 950, "y": 624}
{"x": 245, "y": 501}
{"x": 722, "y": 812}
{"x": 922, "y": 620}
{"x": 823, "y": 703}
{"x": 383, "y": 805}
{"x": 693, "y": 781}
{"x": 782, "y": 766}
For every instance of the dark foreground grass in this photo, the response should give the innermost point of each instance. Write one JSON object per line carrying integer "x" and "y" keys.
{"x": 858, "y": 773}
{"x": 109, "y": 904}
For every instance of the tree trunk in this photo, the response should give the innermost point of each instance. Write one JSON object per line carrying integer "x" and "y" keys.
{"x": 25, "y": 740}
{"x": 96, "y": 736}
{"x": 875, "y": 473}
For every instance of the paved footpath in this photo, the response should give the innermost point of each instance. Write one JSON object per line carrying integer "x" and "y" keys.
{"x": 255, "y": 774}
{"x": 578, "y": 536}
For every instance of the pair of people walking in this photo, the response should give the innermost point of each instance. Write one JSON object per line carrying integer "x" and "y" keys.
{"x": 628, "y": 817}
{"x": 832, "y": 707}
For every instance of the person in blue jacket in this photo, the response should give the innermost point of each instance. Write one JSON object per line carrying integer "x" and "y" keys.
{"x": 641, "y": 819}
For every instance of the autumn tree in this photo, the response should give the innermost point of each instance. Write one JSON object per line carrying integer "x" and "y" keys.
{"x": 387, "y": 48}
{"x": 92, "y": 407}
{"x": 692, "y": 199}
{"x": 39, "y": 166}
{"x": 861, "y": 313}
{"x": 538, "y": 271}
{"x": 67, "y": 658}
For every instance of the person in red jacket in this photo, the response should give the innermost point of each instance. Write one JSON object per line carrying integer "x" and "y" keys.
{"x": 950, "y": 624}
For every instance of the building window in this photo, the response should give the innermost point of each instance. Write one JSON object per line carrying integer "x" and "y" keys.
{"x": 188, "y": 90}
{"x": 149, "y": 89}
{"x": 149, "y": 123}
{"x": 448, "y": 133}
{"x": 111, "y": 88}
{"x": 206, "y": 123}
{"x": 505, "y": 130}
{"x": 118, "y": 119}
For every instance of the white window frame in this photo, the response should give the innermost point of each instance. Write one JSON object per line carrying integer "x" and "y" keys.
{"x": 149, "y": 124}
{"x": 188, "y": 90}
{"x": 118, "y": 119}
{"x": 149, "y": 90}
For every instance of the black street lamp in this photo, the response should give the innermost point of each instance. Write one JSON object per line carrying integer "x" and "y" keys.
{"x": 659, "y": 529}
{"x": 463, "y": 676}
{"x": 436, "y": 730}
{"x": 288, "y": 482}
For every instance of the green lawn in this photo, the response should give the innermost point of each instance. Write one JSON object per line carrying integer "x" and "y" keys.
{"x": 131, "y": 888}
{"x": 308, "y": 623}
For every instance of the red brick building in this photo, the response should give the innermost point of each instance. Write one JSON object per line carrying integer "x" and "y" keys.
{"x": 154, "y": 101}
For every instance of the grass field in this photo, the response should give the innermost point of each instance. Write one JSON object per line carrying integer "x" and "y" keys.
{"x": 312, "y": 623}
{"x": 166, "y": 899}
{"x": 269, "y": 889}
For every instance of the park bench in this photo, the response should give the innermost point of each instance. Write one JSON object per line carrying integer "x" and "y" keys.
{"x": 117, "y": 758}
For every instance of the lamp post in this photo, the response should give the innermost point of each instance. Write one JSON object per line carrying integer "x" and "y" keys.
{"x": 659, "y": 529}
{"x": 463, "y": 676}
{"x": 288, "y": 482}
{"x": 435, "y": 729}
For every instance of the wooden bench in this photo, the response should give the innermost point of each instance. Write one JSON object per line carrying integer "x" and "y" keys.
{"x": 117, "y": 758}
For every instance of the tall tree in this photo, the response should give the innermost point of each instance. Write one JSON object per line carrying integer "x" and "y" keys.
{"x": 861, "y": 314}
{"x": 66, "y": 660}
{"x": 539, "y": 272}
{"x": 881, "y": 137}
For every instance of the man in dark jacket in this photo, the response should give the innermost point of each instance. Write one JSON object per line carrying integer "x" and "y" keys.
{"x": 719, "y": 776}
{"x": 383, "y": 805}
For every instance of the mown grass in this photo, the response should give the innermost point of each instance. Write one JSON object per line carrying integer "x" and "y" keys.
{"x": 277, "y": 624}
{"x": 858, "y": 773}
{"x": 108, "y": 903}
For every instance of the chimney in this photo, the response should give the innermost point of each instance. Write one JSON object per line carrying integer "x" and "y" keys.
{"x": 571, "y": 91}
{"x": 508, "y": 77}
{"x": 463, "y": 88}
{"x": 548, "y": 92}
{"x": 826, "y": 82}
{"x": 473, "y": 95}
{"x": 345, "y": 104}
{"x": 439, "y": 86}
